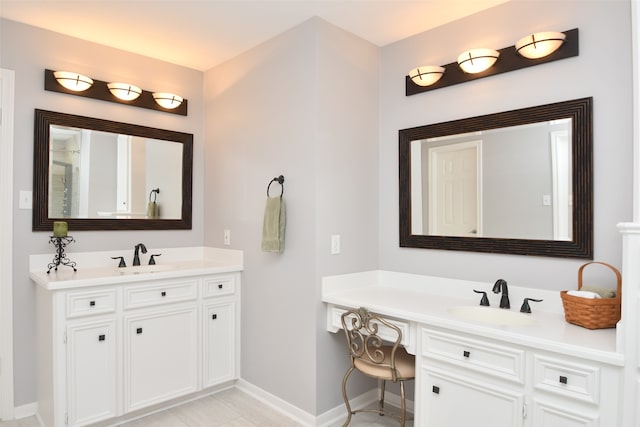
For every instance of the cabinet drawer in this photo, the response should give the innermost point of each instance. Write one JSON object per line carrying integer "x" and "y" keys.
{"x": 408, "y": 338}
{"x": 159, "y": 293}
{"x": 491, "y": 359}
{"x": 222, "y": 285}
{"x": 575, "y": 380}
{"x": 90, "y": 303}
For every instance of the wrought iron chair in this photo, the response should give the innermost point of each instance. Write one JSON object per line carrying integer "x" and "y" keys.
{"x": 386, "y": 361}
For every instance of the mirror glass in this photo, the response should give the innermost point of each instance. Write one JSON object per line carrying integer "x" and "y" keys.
{"x": 97, "y": 174}
{"x": 514, "y": 182}
{"x": 85, "y": 164}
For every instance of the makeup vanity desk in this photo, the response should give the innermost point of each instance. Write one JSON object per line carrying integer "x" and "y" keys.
{"x": 511, "y": 370}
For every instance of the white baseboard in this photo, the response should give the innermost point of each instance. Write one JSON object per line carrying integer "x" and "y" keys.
{"x": 394, "y": 400}
{"x": 332, "y": 416}
{"x": 277, "y": 403}
{"x": 339, "y": 413}
{"x": 25, "y": 411}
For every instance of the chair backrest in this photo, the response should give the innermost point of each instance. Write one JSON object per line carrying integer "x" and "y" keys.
{"x": 362, "y": 329}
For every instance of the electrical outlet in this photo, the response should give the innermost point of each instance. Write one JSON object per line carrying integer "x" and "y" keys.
{"x": 25, "y": 199}
{"x": 335, "y": 244}
{"x": 227, "y": 237}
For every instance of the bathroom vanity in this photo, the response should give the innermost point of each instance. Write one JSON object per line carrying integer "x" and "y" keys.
{"x": 485, "y": 365}
{"x": 113, "y": 341}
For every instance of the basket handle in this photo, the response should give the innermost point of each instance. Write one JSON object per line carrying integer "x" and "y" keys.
{"x": 615, "y": 270}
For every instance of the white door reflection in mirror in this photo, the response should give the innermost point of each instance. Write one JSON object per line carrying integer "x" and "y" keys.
{"x": 454, "y": 191}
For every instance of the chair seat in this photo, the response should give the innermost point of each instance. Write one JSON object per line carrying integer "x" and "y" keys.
{"x": 405, "y": 365}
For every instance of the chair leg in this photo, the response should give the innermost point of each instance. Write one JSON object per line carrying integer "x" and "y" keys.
{"x": 344, "y": 396}
{"x": 403, "y": 403}
{"x": 381, "y": 403}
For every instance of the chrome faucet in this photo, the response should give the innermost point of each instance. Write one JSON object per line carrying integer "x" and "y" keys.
{"x": 136, "y": 255}
{"x": 501, "y": 286}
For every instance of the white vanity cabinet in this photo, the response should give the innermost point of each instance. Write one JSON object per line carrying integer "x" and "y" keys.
{"x": 219, "y": 323}
{"x": 160, "y": 356}
{"x": 91, "y": 371}
{"x": 493, "y": 368}
{"x": 464, "y": 379}
{"x": 160, "y": 341}
{"x": 105, "y": 351}
{"x": 572, "y": 392}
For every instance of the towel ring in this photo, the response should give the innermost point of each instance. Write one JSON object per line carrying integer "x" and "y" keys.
{"x": 280, "y": 180}
{"x": 154, "y": 193}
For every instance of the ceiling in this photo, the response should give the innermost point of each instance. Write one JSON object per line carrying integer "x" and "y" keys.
{"x": 201, "y": 34}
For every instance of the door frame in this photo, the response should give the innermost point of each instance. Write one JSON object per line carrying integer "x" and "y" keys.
{"x": 7, "y": 81}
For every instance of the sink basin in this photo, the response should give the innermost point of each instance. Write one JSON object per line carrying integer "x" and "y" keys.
{"x": 141, "y": 269}
{"x": 495, "y": 316}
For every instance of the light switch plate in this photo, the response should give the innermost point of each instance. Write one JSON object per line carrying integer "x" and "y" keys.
{"x": 335, "y": 244}
{"x": 26, "y": 201}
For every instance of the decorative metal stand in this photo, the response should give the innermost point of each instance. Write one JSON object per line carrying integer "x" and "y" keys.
{"x": 61, "y": 258}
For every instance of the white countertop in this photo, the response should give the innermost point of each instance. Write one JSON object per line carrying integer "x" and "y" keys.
{"x": 97, "y": 268}
{"x": 427, "y": 300}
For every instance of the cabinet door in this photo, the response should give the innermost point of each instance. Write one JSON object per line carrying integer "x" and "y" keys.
{"x": 160, "y": 356}
{"x": 91, "y": 368}
{"x": 451, "y": 400}
{"x": 219, "y": 343}
{"x": 563, "y": 414}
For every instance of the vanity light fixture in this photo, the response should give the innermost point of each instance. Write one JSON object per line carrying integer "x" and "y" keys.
{"x": 476, "y": 64}
{"x": 426, "y": 75}
{"x": 167, "y": 100}
{"x": 539, "y": 45}
{"x": 73, "y": 81}
{"x": 124, "y": 91}
{"x": 477, "y": 60}
{"x": 117, "y": 92}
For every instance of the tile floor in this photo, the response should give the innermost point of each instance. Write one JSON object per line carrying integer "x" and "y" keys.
{"x": 229, "y": 408}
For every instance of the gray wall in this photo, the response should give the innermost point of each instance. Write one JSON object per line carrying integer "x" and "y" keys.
{"x": 28, "y": 51}
{"x": 602, "y": 70}
{"x": 305, "y": 105}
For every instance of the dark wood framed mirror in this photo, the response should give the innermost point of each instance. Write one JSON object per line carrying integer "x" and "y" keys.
{"x": 98, "y": 174}
{"x": 516, "y": 182}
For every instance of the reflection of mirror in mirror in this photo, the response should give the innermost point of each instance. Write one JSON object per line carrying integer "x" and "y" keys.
{"x": 511, "y": 182}
{"x": 95, "y": 174}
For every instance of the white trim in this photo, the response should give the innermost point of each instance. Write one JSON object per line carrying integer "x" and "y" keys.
{"x": 278, "y": 404}
{"x": 331, "y": 417}
{"x": 7, "y": 79}
{"x": 28, "y": 410}
{"x": 635, "y": 55}
{"x": 337, "y": 415}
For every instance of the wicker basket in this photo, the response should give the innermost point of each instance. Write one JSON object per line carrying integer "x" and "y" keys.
{"x": 599, "y": 313}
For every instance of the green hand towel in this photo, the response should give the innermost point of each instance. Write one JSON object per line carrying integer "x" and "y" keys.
{"x": 273, "y": 225}
{"x": 153, "y": 210}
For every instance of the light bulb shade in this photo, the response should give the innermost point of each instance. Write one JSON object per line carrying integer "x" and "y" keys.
{"x": 124, "y": 91}
{"x": 73, "y": 81}
{"x": 477, "y": 60}
{"x": 539, "y": 45}
{"x": 167, "y": 100}
{"x": 426, "y": 75}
